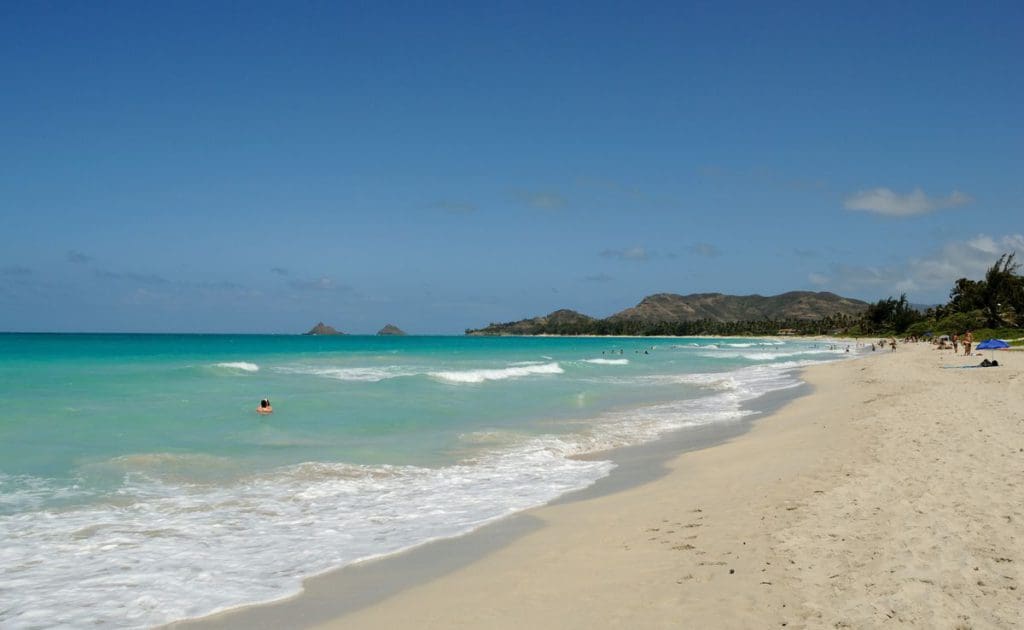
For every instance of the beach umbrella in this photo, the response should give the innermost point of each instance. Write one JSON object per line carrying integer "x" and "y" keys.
{"x": 992, "y": 344}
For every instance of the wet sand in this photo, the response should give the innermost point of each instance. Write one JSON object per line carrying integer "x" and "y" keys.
{"x": 893, "y": 493}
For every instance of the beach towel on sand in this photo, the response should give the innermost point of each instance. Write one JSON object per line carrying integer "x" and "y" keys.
{"x": 984, "y": 363}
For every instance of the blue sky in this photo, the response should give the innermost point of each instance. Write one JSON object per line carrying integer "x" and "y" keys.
{"x": 258, "y": 167}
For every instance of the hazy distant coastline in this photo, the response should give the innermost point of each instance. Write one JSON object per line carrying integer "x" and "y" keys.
{"x": 669, "y": 314}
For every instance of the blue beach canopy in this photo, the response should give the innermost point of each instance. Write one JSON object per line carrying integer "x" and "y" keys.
{"x": 992, "y": 344}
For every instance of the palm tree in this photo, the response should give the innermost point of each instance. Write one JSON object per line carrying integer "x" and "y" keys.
{"x": 1002, "y": 286}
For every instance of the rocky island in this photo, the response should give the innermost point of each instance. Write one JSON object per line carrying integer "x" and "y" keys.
{"x": 391, "y": 330}
{"x": 323, "y": 329}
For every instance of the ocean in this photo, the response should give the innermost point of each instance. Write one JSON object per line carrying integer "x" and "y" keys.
{"x": 139, "y": 486}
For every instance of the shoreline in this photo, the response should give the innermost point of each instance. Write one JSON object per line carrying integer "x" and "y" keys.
{"x": 343, "y": 590}
{"x": 891, "y": 493}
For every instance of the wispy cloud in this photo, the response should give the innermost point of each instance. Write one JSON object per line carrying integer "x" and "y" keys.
{"x": 78, "y": 258}
{"x": 598, "y": 278}
{"x": 542, "y": 200}
{"x": 140, "y": 278}
{"x": 705, "y": 249}
{"x": 932, "y": 275}
{"x": 156, "y": 280}
{"x": 280, "y": 271}
{"x": 184, "y": 293}
{"x": 629, "y": 253}
{"x": 762, "y": 176}
{"x": 889, "y": 203}
{"x": 805, "y": 253}
{"x": 614, "y": 193}
{"x": 15, "y": 270}
{"x": 322, "y": 284}
{"x": 455, "y": 207}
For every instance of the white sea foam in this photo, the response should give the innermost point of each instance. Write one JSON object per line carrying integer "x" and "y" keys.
{"x": 359, "y": 374}
{"x": 732, "y": 389}
{"x": 725, "y": 345}
{"x": 166, "y": 549}
{"x": 497, "y": 374}
{"x": 516, "y": 369}
{"x": 607, "y": 361}
{"x": 753, "y": 344}
{"x": 25, "y": 492}
{"x": 767, "y": 355}
{"x": 176, "y": 551}
{"x": 239, "y": 365}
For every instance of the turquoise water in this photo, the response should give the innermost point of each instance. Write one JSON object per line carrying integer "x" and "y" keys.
{"x": 137, "y": 481}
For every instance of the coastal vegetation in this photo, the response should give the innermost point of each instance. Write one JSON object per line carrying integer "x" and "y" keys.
{"x": 992, "y": 307}
{"x": 668, "y": 314}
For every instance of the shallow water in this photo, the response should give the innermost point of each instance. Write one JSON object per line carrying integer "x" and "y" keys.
{"x": 139, "y": 486}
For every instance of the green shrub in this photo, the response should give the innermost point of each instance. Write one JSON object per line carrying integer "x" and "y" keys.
{"x": 959, "y": 323}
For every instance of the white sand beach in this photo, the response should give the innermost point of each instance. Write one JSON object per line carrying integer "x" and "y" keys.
{"x": 893, "y": 494}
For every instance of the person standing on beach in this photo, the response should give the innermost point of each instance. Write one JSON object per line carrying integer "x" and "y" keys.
{"x": 956, "y": 340}
{"x": 968, "y": 339}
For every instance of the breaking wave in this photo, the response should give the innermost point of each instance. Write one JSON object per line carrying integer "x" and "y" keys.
{"x": 239, "y": 365}
{"x": 499, "y": 374}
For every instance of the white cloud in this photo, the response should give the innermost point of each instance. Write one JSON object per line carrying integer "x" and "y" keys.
{"x": 928, "y": 277}
{"x": 889, "y": 203}
{"x": 456, "y": 207}
{"x": 984, "y": 243}
{"x": 131, "y": 276}
{"x": 956, "y": 198}
{"x": 318, "y": 284}
{"x": 78, "y": 258}
{"x": 819, "y": 279}
{"x": 629, "y": 253}
{"x": 542, "y": 200}
{"x": 705, "y": 249}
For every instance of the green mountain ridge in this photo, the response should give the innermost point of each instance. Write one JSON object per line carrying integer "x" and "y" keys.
{"x": 670, "y": 313}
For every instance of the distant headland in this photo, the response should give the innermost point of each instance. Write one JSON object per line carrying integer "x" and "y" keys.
{"x": 699, "y": 313}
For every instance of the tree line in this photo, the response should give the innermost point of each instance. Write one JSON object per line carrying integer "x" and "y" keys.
{"x": 695, "y": 327}
{"x": 994, "y": 303}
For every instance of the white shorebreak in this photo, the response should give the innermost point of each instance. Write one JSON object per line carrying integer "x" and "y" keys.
{"x": 497, "y": 374}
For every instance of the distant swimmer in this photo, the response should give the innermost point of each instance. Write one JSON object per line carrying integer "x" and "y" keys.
{"x": 265, "y": 407}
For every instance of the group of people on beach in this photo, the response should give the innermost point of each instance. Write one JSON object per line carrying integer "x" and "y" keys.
{"x": 891, "y": 342}
{"x": 966, "y": 342}
{"x": 955, "y": 341}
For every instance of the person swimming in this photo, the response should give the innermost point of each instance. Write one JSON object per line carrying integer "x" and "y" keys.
{"x": 265, "y": 407}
